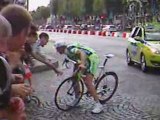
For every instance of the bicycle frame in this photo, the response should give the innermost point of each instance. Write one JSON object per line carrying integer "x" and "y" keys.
{"x": 102, "y": 71}
{"x": 78, "y": 90}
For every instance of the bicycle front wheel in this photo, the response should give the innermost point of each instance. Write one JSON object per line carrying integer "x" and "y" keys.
{"x": 65, "y": 94}
{"x": 107, "y": 86}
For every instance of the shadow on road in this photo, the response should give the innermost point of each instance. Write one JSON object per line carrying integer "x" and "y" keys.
{"x": 150, "y": 71}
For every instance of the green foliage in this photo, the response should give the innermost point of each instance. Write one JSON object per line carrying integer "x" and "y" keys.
{"x": 41, "y": 13}
{"x": 54, "y": 6}
{"x": 88, "y": 6}
{"x": 75, "y": 7}
{"x": 80, "y": 7}
{"x": 62, "y": 7}
{"x": 98, "y": 6}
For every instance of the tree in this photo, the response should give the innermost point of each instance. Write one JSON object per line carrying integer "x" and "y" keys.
{"x": 98, "y": 7}
{"x": 42, "y": 13}
{"x": 88, "y": 6}
{"x": 76, "y": 7}
{"x": 54, "y": 6}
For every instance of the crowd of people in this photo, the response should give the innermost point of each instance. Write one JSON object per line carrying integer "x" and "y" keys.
{"x": 19, "y": 45}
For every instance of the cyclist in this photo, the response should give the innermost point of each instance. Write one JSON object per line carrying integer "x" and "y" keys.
{"x": 88, "y": 62}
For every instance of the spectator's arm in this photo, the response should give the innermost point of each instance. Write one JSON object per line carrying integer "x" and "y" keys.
{"x": 44, "y": 60}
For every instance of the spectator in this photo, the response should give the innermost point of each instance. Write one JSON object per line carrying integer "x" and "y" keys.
{"x": 43, "y": 40}
{"x": 20, "y": 21}
{"x": 6, "y": 101}
{"x": 31, "y": 51}
{"x": 31, "y": 39}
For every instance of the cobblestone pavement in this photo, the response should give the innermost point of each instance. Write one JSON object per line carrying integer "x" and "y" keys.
{"x": 137, "y": 97}
{"x": 120, "y": 107}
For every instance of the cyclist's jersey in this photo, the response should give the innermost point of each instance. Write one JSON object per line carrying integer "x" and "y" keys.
{"x": 92, "y": 59}
{"x": 73, "y": 48}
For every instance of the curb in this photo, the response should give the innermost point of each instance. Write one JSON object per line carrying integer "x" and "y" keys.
{"x": 91, "y": 32}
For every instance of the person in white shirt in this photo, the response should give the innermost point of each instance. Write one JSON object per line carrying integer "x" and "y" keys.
{"x": 36, "y": 47}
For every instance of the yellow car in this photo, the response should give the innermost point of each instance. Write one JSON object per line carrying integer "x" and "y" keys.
{"x": 143, "y": 48}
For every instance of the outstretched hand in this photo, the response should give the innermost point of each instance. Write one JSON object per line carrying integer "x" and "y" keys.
{"x": 59, "y": 72}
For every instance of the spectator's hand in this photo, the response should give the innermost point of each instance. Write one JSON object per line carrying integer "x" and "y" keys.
{"x": 21, "y": 90}
{"x": 49, "y": 60}
{"x": 18, "y": 78}
{"x": 58, "y": 72}
{"x": 17, "y": 105}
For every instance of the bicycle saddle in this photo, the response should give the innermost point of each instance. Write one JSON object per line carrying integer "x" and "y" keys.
{"x": 109, "y": 55}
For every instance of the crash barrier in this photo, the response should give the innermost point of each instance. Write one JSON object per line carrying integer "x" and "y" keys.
{"x": 91, "y": 32}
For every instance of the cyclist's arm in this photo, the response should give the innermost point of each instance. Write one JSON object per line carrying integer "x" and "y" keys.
{"x": 82, "y": 56}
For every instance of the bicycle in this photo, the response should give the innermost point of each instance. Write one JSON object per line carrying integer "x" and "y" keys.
{"x": 77, "y": 80}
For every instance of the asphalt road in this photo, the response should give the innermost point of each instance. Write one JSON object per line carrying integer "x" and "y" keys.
{"x": 137, "y": 97}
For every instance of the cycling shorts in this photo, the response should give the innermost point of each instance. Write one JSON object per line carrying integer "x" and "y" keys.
{"x": 92, "y": 64}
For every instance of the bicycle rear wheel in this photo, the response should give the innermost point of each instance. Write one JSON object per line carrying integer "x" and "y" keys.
{"x": 107, "y": 86}
{"x": 65, "y": 93}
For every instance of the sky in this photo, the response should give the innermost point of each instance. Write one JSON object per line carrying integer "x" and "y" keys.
{"x": 34, "y": 4}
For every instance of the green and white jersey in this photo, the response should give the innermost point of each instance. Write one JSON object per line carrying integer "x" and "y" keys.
{"x": 72, "y": 49}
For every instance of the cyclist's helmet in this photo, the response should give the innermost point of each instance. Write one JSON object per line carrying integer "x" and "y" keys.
{"x": 60, "y": 44}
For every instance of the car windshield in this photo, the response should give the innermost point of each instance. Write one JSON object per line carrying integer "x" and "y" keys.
{"x": 152, "y": 36}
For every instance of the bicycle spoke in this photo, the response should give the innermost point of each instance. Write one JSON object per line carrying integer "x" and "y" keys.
{"x": 107, "y": 86}
{"x": 66, "y": 94}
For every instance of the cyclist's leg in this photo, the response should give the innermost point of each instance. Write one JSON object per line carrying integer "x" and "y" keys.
{"x": 90, "y": 73}
{"x": 89, "y": 84}
{"x": 94, "y": 61}
{"x": 77, "y": 92}
{"x": 76, "y": 86}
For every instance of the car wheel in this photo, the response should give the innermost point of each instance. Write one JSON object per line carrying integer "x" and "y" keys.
{"x": 143, "y": 64}
{"x": 128, "y": 58}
